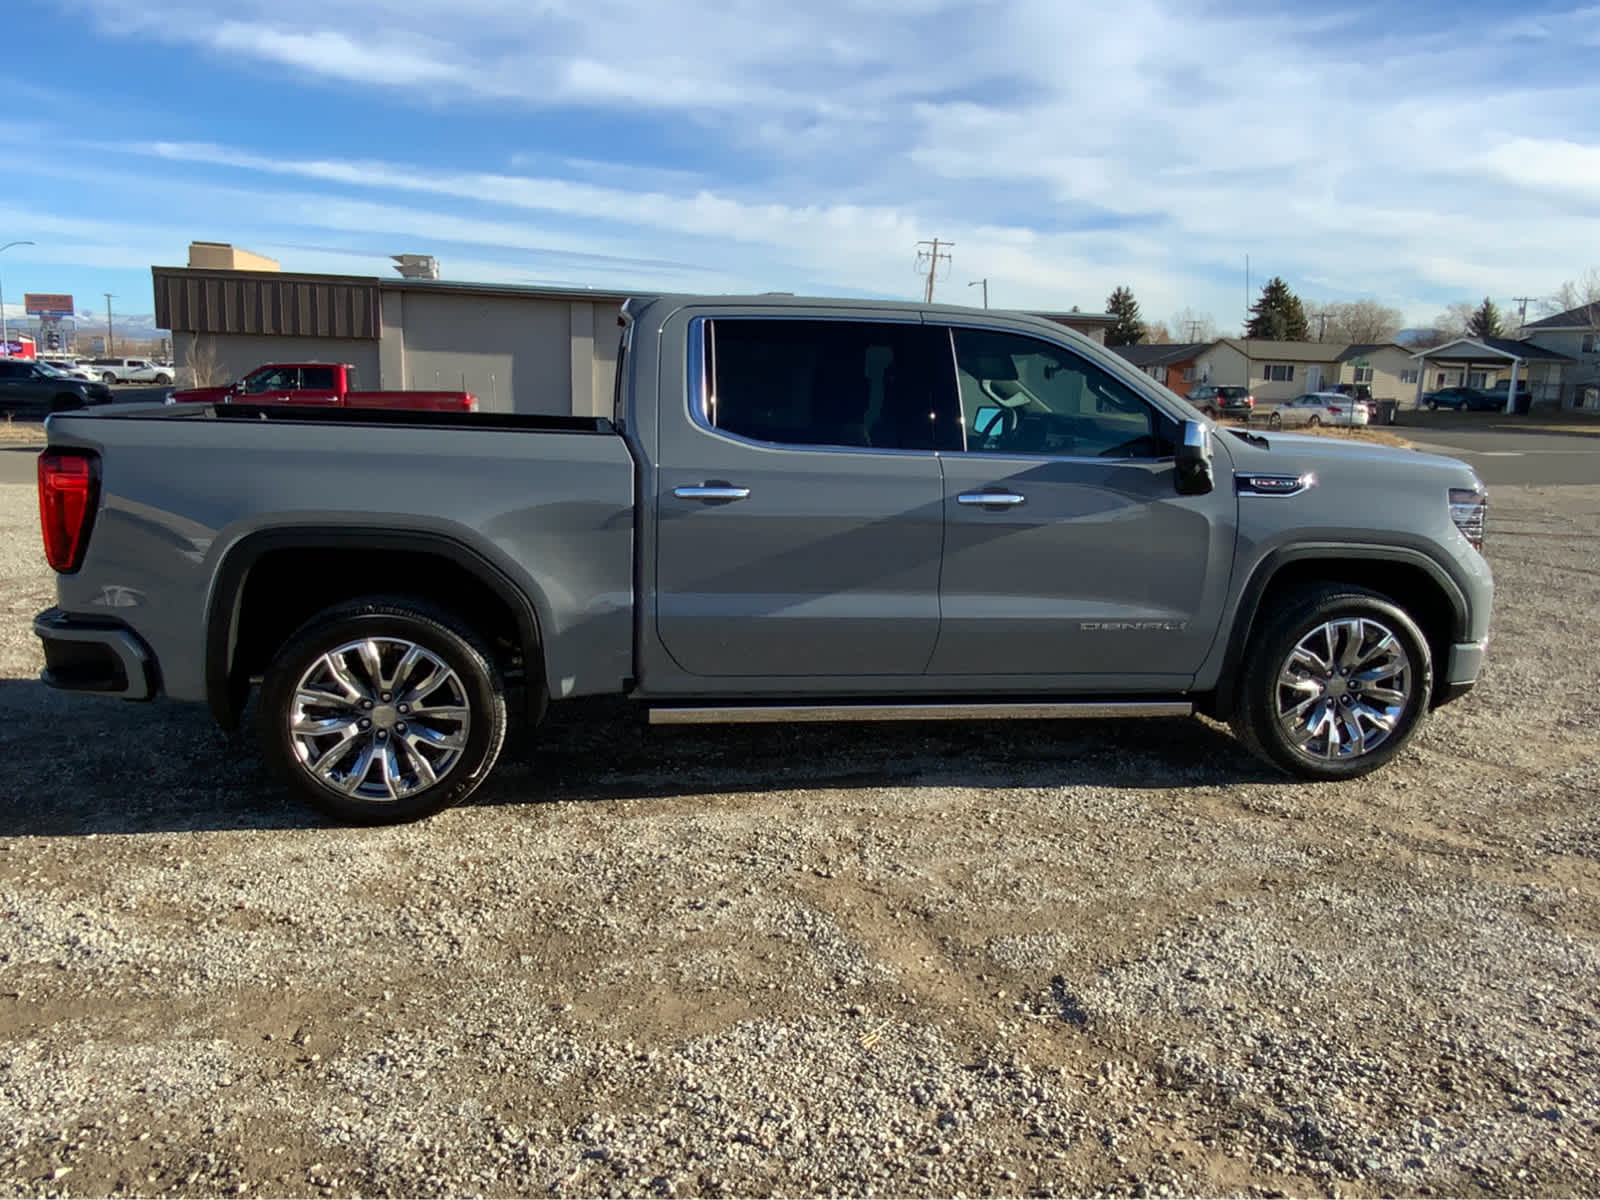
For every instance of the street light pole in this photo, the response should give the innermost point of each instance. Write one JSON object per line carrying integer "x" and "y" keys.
{"x": 5, "y": 336}
{"x": 111, "y": 345}
{"x": 985, "y": 284}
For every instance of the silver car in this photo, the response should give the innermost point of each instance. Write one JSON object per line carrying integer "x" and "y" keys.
{"x": 1319, "y": 408}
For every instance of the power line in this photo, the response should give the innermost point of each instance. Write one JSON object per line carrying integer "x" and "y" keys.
{"x": 932, "y": 257}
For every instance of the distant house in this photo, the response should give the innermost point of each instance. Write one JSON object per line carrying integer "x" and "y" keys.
{"x": 1275, "y": 371}
{"x": 1484, "y": 362}
{"x": 1576, "y": 334}
{"x": 1177, "y": 366}
{"x": 1091, "y": 325}
{"x": 1388, "y": 369}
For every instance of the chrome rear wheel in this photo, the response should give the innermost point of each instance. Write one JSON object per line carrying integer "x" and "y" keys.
{"x": 379, "y": 718}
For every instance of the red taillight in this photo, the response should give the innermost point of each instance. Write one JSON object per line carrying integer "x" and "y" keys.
{"x": 1335, "y": 409}
{"x": 69, "y": 490}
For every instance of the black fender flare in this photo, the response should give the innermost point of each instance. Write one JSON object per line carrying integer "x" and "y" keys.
{"x": 226, "y": 694}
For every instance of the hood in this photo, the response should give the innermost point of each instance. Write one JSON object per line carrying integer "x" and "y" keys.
{"x": 1307, "y": 450}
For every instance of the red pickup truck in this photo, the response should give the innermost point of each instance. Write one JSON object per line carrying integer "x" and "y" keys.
{"x": 328, "y": 385}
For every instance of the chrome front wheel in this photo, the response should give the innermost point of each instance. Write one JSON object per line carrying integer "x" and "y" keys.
{"x": 1343, "y": 688}
{"x": 1335, "y": 681}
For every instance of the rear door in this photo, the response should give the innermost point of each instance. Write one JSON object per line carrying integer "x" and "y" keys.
{"x": 799, "y": 500}
{"x": 1068, "y": 550}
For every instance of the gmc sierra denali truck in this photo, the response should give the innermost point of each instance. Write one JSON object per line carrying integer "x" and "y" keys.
{"x": 799, "y": 510}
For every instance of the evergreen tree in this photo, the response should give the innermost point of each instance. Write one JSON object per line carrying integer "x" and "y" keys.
{"x": 1278, "y": 316}
{"x": 1485, "y": 320}
{"x": 1129, "y": 329}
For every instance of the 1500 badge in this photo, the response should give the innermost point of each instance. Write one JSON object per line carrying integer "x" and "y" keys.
{"x": 1133, "y": 626}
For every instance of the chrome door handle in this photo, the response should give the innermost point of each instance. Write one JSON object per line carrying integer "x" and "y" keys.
{"x": 1005, "y": 499}
{"x": 708, "y": 492}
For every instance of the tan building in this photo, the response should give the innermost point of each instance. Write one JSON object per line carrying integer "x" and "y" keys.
{"x": 222, "y": 256}
{"x": 1575, "y": 334}
{"x": 1484, "y": 362}
{"x": 1385, "y": 367}
{"x": 517, "y": 348}
{"x": 1273, "y": 371}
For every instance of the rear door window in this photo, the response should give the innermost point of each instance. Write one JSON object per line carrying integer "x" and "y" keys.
{"x": 858, "y": 384}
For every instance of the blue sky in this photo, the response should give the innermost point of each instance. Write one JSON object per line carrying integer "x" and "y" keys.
{"x": 1415, "y": 154}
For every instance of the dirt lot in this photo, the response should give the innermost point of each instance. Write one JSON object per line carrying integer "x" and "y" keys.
{"x": 1039, "y": 959}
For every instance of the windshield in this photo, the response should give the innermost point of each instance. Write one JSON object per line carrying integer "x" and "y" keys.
{"x": 53, "y": 371}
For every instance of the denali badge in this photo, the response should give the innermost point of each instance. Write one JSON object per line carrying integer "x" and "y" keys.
{"x": 1133, "y": 626}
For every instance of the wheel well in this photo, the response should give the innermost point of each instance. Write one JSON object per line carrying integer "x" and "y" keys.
{"x": 1408, "y": 585}
{"x": 283, "y": 589}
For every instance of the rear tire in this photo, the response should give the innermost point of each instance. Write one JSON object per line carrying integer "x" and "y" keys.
{"x": 1314, "y": 421}
{"x": 1334, "y": 684}
{"x": 1275, "y": 420}
{"x": 383, "y": 710}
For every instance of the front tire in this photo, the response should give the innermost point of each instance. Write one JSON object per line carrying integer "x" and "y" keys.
{"x": 1275, "y": 421}
{"x": 108, "y": 379}
{"x": 1335, "y": 684}
{"x": 382, "y": 711}
{"x": 163, "y": 379}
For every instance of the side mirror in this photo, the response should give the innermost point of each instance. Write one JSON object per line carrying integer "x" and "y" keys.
{"x": 1194, "y": 476}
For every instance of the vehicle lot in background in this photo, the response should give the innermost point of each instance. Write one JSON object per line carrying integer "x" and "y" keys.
{"x": 1220, "y": 400}
{"x": 131, "y": 370}
{"x": 781, "y": 960}
{"x": 1316, "y": 408}
{"x": 1469, "y": 399}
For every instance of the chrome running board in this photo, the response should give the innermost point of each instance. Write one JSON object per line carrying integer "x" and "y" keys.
{"x": 755, "y": 714}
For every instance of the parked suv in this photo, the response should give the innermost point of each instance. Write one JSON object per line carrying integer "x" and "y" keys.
{"x": 131, "y": 370}
{"x": 1221, "y": 400}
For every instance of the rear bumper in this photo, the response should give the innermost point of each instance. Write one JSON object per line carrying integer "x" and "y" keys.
{"x": 94, "y": 654}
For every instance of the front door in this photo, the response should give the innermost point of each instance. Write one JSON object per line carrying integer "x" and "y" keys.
{"x": 799, "y": 521}
{"x": 1067, "y": 548}
{"x": 1313, "y": 378}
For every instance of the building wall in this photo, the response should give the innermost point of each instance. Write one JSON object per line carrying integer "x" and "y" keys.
{"x": 1226, "y": 366}
{"x": 1387, "y": 363}
{"x": 517, "y": 354}
{"x": 1581, "y": 379}
{"x": 234, "y": 355}
{"x": 219, "y": 256}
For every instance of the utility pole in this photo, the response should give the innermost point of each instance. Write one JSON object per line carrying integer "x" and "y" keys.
{"x": 1322, "y": 326}
{"x": 1194, "y": 330}
{"x": 985, "y": 284}
{"x": 111, "y": 345}
{"x": 931, "y": 256}
{"x": 5, "y": 336}
{"x": 1522, "y": 310}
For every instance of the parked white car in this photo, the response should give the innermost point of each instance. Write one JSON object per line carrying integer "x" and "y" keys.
{"x": 1319, "y": 408}
{"x": 130, "y": 370}
{"x": 72, "y": 368}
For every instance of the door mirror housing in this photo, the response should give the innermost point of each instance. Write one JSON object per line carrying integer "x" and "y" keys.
{"x": 1194, "y": 476}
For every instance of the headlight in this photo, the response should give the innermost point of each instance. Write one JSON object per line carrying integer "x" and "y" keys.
{"x": 1469, "y": 508}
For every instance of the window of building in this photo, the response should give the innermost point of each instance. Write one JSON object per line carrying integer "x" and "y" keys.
{"x": 824, "y": 383}
{"x": 1279, "y": 373}
{"x": 1156, "y": 373}
{"x": 1190, "y": 374}
{"x": 1408, "y": 374}
{"x": 1589, "y": 341}
{"x": 1363, "y": 375}
{"x": 1020, "y": 395}
{"x": 1477, "y": 379}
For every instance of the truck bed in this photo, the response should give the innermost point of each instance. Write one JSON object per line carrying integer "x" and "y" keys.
{"x": 188, "y": 493}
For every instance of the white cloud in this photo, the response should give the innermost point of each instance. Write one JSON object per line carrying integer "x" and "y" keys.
{"x": 1064, "y": 148}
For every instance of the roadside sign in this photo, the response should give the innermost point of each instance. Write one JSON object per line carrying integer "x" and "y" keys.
{"x": 47, "y": 304}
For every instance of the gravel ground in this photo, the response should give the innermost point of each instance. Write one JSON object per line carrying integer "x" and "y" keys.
{"x": 1032, "y": 959}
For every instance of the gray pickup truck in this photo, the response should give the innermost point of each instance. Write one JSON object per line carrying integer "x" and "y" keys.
{"x": 800, "y": 510}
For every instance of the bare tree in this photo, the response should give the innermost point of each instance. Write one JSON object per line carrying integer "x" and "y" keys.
{"x": 202, "y": 364}
{"x": 1363, "y": 321}
{"x": 1573, "y": 293}
{"x": 1191, "y": 326}
{"x": 1156, "y": 334}
{"x": 1453, "y": 321}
